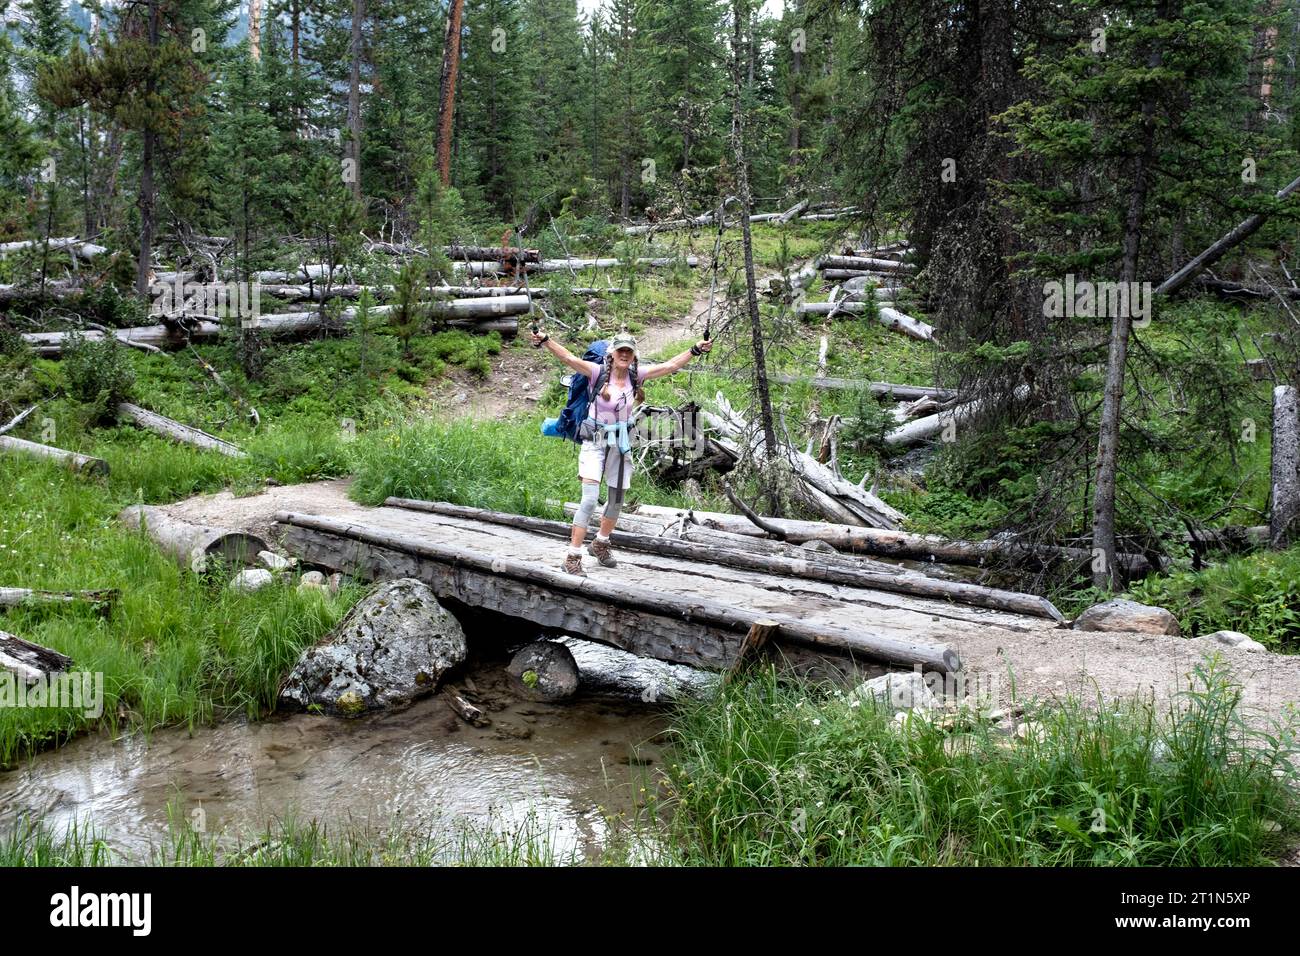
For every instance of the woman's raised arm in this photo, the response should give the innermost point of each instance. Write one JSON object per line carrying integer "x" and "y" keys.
{"x": 590, "y": 369}
{"x": 677, "y": 363}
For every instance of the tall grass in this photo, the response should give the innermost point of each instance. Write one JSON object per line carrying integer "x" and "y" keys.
{"x": 767, "y": 774}
{"x": 176, "y": 649}
{"x": 503, "y": 465}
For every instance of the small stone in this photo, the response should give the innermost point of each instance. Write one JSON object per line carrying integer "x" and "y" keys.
{"x": 1243, "y": 642}
{"x": 544, "y": 670}
{"x": 254, "y": 579}
{"x": 275, "y": 562}
{"x": 1122, "y": 615}
{"x": 312, "y": 579}
{"x": 461, "y": 397}
{"x": 898, "y": 692}
{"x": 336, "y": 582}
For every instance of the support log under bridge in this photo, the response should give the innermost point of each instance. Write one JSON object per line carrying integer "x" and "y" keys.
{"x": 683, "y": 603}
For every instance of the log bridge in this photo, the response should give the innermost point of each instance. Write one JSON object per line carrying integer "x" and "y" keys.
{"x": 689, "y": 602}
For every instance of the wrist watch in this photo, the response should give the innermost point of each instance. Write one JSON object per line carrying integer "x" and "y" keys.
{"x": 696, "y": 350}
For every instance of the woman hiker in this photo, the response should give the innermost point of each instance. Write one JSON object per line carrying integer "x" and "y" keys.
{"x": 606, "y": 454}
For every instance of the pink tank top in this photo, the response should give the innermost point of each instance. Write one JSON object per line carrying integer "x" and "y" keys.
{"x": 619, "y": 406}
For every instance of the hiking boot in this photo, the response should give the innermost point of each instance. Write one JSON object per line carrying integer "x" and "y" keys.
{"x": 601, "y": 551}
{"x": 573, "y": 564}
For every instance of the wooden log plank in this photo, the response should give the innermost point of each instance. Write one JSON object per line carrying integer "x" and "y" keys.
{"x": 901, "y": 544}
{"x": 787, "y": 562}
{"x": 193, "y": 546}
{"x": 30, "y": 662}
{"x": 828, "y": 636}
{"x": 167, "y": 428}
{"x": 81, "y": 464}
{"x": 102, "y": 599}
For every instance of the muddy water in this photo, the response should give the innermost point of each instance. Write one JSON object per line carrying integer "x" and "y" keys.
{"x": 567, "y": 767}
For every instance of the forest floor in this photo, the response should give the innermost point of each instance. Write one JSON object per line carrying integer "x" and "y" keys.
{"x": 521, "y": 374}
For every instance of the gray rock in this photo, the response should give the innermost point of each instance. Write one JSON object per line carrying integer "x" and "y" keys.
{"x": 393, "y": 647}
{"x": 254, "y": 579}
{"x": 275, "y": 562}
{"x": 898, "y": 691}
{"x": 1235, "y": 639}
{"x": 312, "y": 579}
{"x": 1121, "y": 615}
{"x": 544, "y": 670}
{"x": 336, "y": 582}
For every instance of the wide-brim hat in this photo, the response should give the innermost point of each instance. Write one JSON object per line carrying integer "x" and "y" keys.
{"x": 623, "y": 341}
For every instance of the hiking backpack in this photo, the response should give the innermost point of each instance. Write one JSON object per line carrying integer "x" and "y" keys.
{"x": 580, "y": 395}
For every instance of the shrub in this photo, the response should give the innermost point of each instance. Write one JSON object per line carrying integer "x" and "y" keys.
{"x": 98, "y": 372}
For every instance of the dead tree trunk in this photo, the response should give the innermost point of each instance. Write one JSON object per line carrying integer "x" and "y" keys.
{"x": 354, "y": 97}
{"x": 447, "y": 89}
{"x": 1105, "y": 571}
{"x": 740, "y": 17}
{"x": 1285, "y": 512}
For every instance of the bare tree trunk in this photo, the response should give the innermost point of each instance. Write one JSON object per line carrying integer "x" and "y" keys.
{"x": 740, "y": 17}
{"x": 255, "y": 30}
{"x": 1106, "y": 572}
{"x": 1284, "y": 515}
{"x": 146, "y": 202}
{"x": 354, "y": 97}
{"x": 796, "y": 101}
{"x": 447, "y": 89}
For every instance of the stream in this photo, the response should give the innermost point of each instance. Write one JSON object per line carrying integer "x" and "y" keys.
{"x": 570, "y": 769}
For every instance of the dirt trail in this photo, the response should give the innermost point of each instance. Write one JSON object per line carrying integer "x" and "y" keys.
{"x": 1042, "y": 665}
{"x": 520, "y": 374}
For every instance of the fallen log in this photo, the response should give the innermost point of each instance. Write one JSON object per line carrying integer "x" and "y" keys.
{"x": 900, "y": 544}
{"x": 923, "y": 429}
{"x": 192, "y": 546}
{"x": 102, "y": 599}
{"x": 80, "y": 247}
{"x": 793, "y": 212}
{"x": 606, "y": 671}
{"x": 880, "y": 389}
{"x": 30, "y": 662}
{"x": 167, "y": 428}
{"x": 847, "y": 275}
{"x": 18, "y": 419}
{"x": 321, "y": 531}
{"x": 786, "y": 561}
{"x": 481, "y": 315}
{"x": 57, "y": 289}
{"x": 1284, "y": 493}
{"x": 889, "y": 317}
{"x": 866, "y": 264}
{"x": 577, "y": 265}
{"x": 81, "y": 464}
{"x": 297, "y": 293}
{"x": 492, "y": 254}
{"x": 1216, "y": 250}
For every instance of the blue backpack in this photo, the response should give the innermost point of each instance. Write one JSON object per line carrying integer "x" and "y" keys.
{"x": 580, "y": 396}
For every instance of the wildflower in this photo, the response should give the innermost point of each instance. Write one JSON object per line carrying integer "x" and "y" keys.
{"x": 817, "y": 722}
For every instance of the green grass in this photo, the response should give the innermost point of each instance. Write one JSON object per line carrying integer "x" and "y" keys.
{"x": 1257, "y": 594}
{"x": 772, "y": 774}
{"x": 769, "y": 773}
{"x": 502, "y": 465}
{"x": 178, "y": 649}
